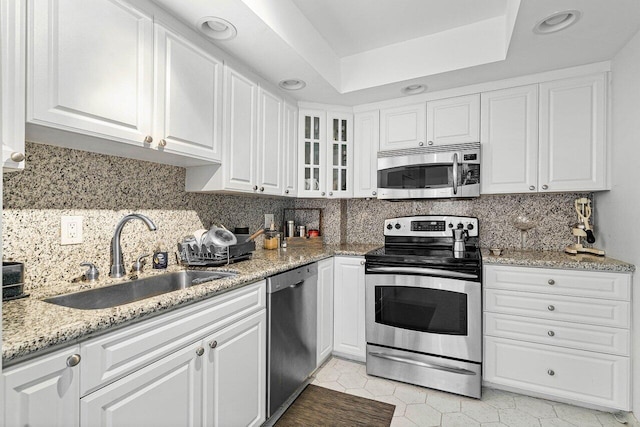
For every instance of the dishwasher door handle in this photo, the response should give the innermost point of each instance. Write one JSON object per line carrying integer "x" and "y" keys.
{"x": 295, "y": 285}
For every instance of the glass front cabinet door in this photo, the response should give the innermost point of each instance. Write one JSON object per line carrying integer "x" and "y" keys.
{"x": 340, "y": 155}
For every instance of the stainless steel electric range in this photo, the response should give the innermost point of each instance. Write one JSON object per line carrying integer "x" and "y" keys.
{"x": 424, "y": 304}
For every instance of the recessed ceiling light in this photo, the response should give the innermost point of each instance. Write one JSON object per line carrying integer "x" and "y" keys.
{"x": 557, "y": 21}
{"x": 292, "y": 84}
{"x": 413, "y": 89}
{"x": 216, "y": 28}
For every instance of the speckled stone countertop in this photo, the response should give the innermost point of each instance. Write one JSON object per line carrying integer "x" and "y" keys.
{"x": 556, "y": 259}
{"x": 30, "y": 325}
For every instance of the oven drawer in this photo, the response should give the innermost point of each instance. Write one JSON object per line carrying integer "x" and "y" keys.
{"x": 561, "y": 282}
{"x": 557, "y": 307}
{"x": 572, "y": 335}
{"x": 588, "y": 377}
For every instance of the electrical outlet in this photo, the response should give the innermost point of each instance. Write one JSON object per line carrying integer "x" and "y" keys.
{"x": 70, "y": 230}
{"x": 268, "y": 220}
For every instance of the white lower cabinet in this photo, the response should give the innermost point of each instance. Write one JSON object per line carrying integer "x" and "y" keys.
{"x": 325, "y": 310}
{"x": 542, "y": 336}
{"x": 43, "y": 392}
{"x": 348, "y": 332}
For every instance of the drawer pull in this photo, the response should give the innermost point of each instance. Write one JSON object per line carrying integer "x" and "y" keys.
{"x": 73, "y": 360}
{"x": 551, "y": 308}
{"x": 200, "y": 351}
{"x": 213, "y": 344}
{"x": 551, "y": 333}
{"x": 550, "y": 372}
{"x": 551, "y": 282}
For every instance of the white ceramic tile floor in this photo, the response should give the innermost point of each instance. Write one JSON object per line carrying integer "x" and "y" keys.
{"x": 418, "y": 406}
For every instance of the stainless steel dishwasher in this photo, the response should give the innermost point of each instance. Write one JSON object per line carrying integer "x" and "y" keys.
{"x": 292, "y": 310}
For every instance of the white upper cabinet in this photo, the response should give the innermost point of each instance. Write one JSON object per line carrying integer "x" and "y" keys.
{"x": 573, "y": 134}
{"x": 365, "y": 160}
{"x": 403, "y": 127}
{"x": 509, "y": 140}
{"x": 312, "y": 153}
{"x": 453, "y": 120}
{"x": 339, "y": 155}
{"x": 290, "y": 150}
{"x": 82, "y": 77}
{"x": 188, "y": 104}
{"x": 12, "y": 82}
{"x": 269, "y": 161}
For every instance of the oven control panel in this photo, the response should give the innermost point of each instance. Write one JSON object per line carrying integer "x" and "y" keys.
{"x": 430, "y": 226}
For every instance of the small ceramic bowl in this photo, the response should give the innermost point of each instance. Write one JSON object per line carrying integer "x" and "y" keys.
{"x": 496, "y": 251}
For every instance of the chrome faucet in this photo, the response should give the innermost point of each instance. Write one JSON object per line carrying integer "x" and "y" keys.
{"x": 117, "y": 263}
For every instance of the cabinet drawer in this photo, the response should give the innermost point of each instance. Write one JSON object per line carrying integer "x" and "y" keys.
{"x": 560, "y": 282}
{"x": 588, "y": 377}
{"x": 563, "y": 334}
{"x": 117, "y": 354}
{"x": 557, "y": 307}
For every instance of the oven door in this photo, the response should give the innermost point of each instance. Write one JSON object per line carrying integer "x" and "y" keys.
{"x": 433, "y": 315}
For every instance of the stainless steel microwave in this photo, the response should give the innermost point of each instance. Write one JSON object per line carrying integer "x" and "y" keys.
{"x": 441, "y": 172}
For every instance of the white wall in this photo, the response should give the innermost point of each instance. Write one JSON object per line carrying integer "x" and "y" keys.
{"x": 618, "y": 210}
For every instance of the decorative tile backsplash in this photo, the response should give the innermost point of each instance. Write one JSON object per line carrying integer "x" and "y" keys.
{"x": 58, "y": 181}
{"x": 102, "y": 189}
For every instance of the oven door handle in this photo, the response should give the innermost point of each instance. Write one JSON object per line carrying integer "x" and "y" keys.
{"x": 420, "y": 270}
{"x": 455, "y": 173}
{"x": 420, "y": 363}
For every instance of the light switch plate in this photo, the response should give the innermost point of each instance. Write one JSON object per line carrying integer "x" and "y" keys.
{"x": 268, "y": 220}
{"x": 71, "y": 230}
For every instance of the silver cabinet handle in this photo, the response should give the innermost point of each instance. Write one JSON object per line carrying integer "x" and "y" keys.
{"x": 551, "y": 282}
{"x": 330, "y": 193}
{"x": 286, "y": 191}
{"x": 430, "y": 143}
{"x": 199, "y": 351}
{"x": 545, "y": 187}
{"x": 551, "y": 333}
{"x": 162, "y": 143}
{"x": 261, "y": 188}
{"x": 373, "y": 193}
{"x": 550, "y": 372}
{"x": 73, "y": 360}
{"x": 532, "y": 187}
{"x": 551, "y": 308}
{"x": 323, "y": 193}
{"x": 17, "y": 157}
{"x": 255, "y": 188}
{"x": 213, "y": 344}
{"x": 362, "y": 262}
{"x": 148, "y": 139}
{"x": 455, "y": 173}
{"x": 420, "y": 143}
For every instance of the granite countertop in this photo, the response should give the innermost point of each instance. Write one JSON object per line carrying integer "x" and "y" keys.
{"x": 556, "y": 259}
{"x": 31, "y": 325}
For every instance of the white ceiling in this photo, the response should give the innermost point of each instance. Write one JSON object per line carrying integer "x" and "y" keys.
{"x": 357, "y": 51}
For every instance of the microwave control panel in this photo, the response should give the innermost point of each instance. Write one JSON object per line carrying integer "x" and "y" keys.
{"x": 430, "y": 226}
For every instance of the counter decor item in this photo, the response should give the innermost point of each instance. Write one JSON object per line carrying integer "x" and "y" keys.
{"x": 524, "y": 223}
{"x": 583, "y": 230}
{"x": 303, "y": 234}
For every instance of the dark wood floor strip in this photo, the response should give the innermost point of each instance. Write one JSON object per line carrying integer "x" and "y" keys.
{"x": 319, "y": 406}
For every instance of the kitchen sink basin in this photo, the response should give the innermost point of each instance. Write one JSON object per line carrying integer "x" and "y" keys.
{"x": 136, "y": 290}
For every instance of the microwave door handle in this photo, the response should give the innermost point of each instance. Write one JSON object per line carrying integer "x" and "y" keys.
{"x": 455, "y": 173}
{"x": 421, "y": 270}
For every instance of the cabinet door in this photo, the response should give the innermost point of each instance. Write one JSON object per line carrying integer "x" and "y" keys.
{"x": 509, "y": 140}
{"x": 325, "y": 310}
{"x": 269, "y": 143}
{"x": 165, "y": 393}
{"x": 290, "y": 147}
{"x": 348, "y": 333}
{"x": 240, "y": 132}
{"x": 453, "y": 120}
{"x": 312, "y": 154}
{"x": 12, "y": 82}
{"x": 91, "y": 68}
{"x": 365, "y": 160}
{"x": 188, "y": 104}
{"x": 403, "y": 127}
{"x": 339, "y": 155}
{"x": 43, "y": 392}
{"x": 235, "y": 374}
{"x": 573, "y": 134}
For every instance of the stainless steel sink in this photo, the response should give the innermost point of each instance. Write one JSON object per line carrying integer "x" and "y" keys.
{"x": 136, "y": 290}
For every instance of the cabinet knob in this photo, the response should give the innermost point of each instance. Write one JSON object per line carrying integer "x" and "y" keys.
{"x": 255, "y": 188}
{"x": 213, "y": 344}
{"x": 551, "y": 308}
{"x": 148, "y": 139}
{"x": 73, "y": 360}
{"x": 532, "y": 187}
{"x": 545, "y": 187}
{"x": 551, "y": 333}
{"x": 420, "y": 143}
{"x": 261, "y": 188}
{"x": 162, "y": 143}
{"x": 373, "y": 193}
{"x": 430, "y": 143}
{"x": 550, "y": 372}
{"x": 200, "y": 351}
{"x": 286, "y": 191}
{"x": 331, "y": 193}
{"x": 362, "y": 262}
{"x": 551, "y": 282}
{"x": 17, "y": 157}
{"x": 323, "y": 193}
